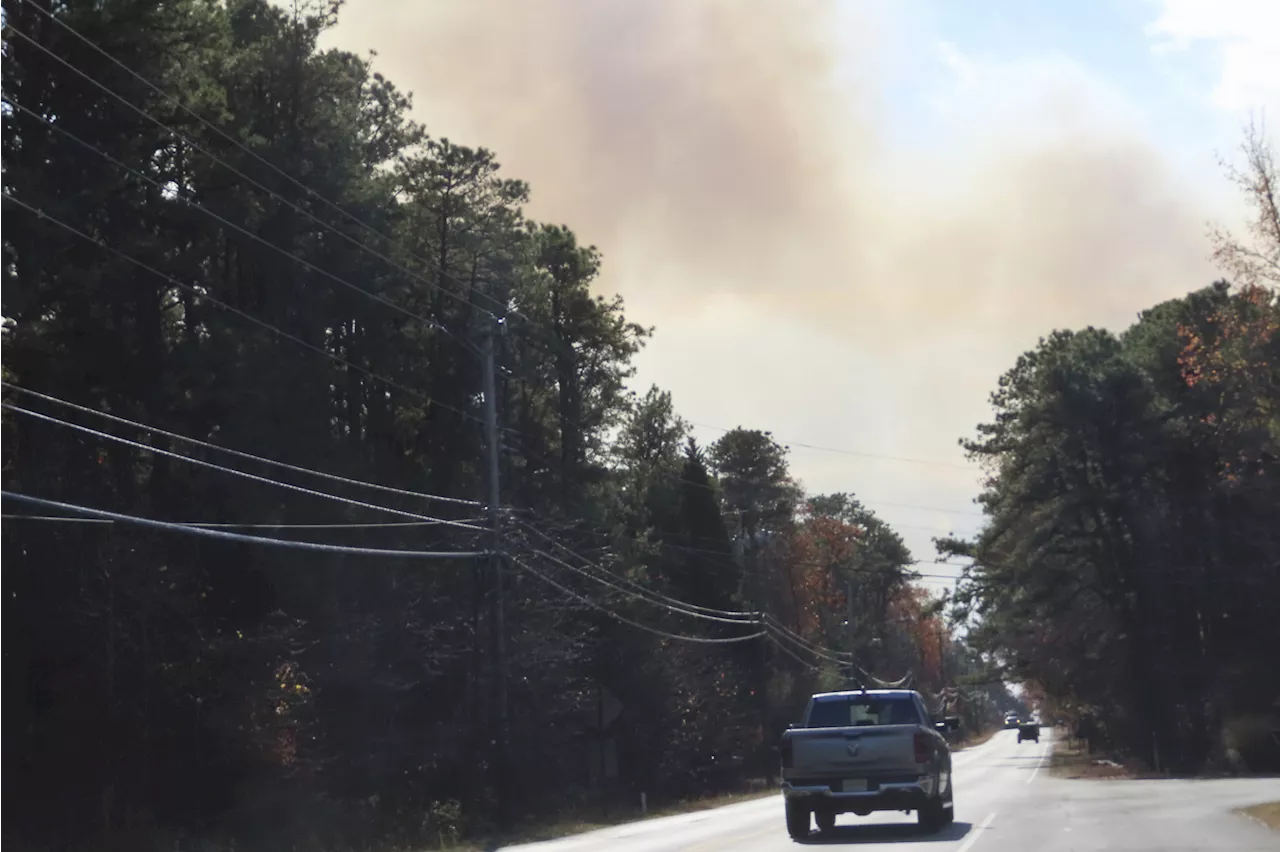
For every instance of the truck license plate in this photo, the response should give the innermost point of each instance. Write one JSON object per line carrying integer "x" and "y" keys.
{"x": 854, "y": 785}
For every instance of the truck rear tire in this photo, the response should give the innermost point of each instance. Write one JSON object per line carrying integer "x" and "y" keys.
{"x": 931, "y": 816}
{"x": 797, "y": 820}
{"x": 826, "y": 820}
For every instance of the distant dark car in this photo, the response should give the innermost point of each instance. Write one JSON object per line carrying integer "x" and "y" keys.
{"x": 1011, "y": 721}
{"x": 1029, "y": 731}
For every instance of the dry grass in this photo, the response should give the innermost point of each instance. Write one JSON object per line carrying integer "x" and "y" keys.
{"x": 1071, "y": 760}
{"x": 693, "y": 805}
{"x": 971, "y": 740}
{"x": 1268, "y": 814}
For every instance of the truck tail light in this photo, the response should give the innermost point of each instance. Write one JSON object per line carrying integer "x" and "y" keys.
{"x": 786, "y": 753}
{"x": 921, "y": 747}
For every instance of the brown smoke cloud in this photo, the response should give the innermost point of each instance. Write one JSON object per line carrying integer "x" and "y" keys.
{"x": 735, "y": 149}
{"x": 705, "y": 147}
{"x": 702, "y": 135}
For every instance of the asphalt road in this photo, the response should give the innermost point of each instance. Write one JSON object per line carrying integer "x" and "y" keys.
{"x": 1005, "y": 802}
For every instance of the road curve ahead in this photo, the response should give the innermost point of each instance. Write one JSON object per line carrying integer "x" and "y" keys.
{"x": 1005, "y": 802}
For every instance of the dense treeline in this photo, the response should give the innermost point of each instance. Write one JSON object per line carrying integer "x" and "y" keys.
{"x": 184, "y": 247}
{"x": 1131, "y": 564}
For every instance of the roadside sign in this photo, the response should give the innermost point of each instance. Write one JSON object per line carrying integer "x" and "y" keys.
{"x": 604, "y": 709}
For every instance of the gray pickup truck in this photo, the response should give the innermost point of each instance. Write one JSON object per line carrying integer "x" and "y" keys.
{"x": 863, "y": 751}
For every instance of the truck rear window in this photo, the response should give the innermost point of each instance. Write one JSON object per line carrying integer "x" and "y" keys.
{"x": 845, "y": 712}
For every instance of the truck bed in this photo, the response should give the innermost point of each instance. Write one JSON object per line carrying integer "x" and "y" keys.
{"x": 850, "y": 751}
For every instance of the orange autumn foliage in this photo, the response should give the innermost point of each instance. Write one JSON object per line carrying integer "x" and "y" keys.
{"x": 1231, "y": 355}
{"x": 820, "y": 547}
{"x": 1231, "y": 347}
{"x": 929, "y": 633}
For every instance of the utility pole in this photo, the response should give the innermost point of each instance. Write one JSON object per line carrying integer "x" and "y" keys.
{"x": 752, "y": 582}
{"x": 495, "y": 560}
{"x": 853, "y": 650}
{"x": 942, "y": 657}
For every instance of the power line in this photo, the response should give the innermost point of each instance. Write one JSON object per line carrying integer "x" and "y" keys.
{"x": 653, "y": 599}
{"x": 848, "y": 452}
{"x": 892, "y": 526}
{"x": 396, "y": 525}
{"x": 640, "y": 589}
{"x": 772, "y": 628}
{"x": 864, "y": 500}
{"x": 817, "y": 653}
{"x": 199, "y": 294}
{"x": 541, "y": 458}
{"x": 684, "y": 608}
{"x": 808, "y": 563}
{"x": 244, "y": 474}
{"x": 813, "y": 563}
{"x": 770, "y": 623}
{"x": 673, "y": 604}
{"x": 332, "y": 205}
{"x": 792, "y": 654}
{"x": 884, "y": 684}
{"x": 623, "y": 619}
{"x": 248, "y": 456}
{"x": 778, "y": 625}
{"x": 215, "y": 158}
{"x": 239, "y": 537}
{"x": 777, "y": 629}
{"x": 895, "y": 525}
{"x": 312, "y": 193}
{"x": 228, "y": 223}
{"x": 844, "y": 658}
{"x": 920, "y": 508}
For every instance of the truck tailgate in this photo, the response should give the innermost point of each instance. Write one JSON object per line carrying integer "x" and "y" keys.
{"x": 856, "y": 752}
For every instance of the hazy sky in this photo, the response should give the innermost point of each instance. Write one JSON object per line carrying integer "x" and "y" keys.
{"x": 847, "y": 219}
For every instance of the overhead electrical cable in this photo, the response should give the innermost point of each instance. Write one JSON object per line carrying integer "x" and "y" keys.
{"x": 239, "y": 537}
{"x": 235, "y": 472}
{"x": 669, "y": 604}
{"x": 237, "y": 453}
{"x": 306, "y": 264}
{"x": 233, "y": 526}
{"x": 772, "y": 626}
{"x": 706, "y": 640}
{"x": 792, "y": 654}
{"x": 849, "y": 452}
{"x": 778, "y": 625}
{"x": 205, "y": 297}
{"x": 196, "y": 146}
{"x": 640, "y": 589}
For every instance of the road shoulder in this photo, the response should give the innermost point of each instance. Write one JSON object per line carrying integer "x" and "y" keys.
{"x": 567, "y": 831}
{"x": 1267, "y": 813}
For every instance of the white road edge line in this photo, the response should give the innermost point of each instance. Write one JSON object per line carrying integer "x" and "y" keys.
{"x": 973, "y": 836}
{"x": 1040, "y": 762}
